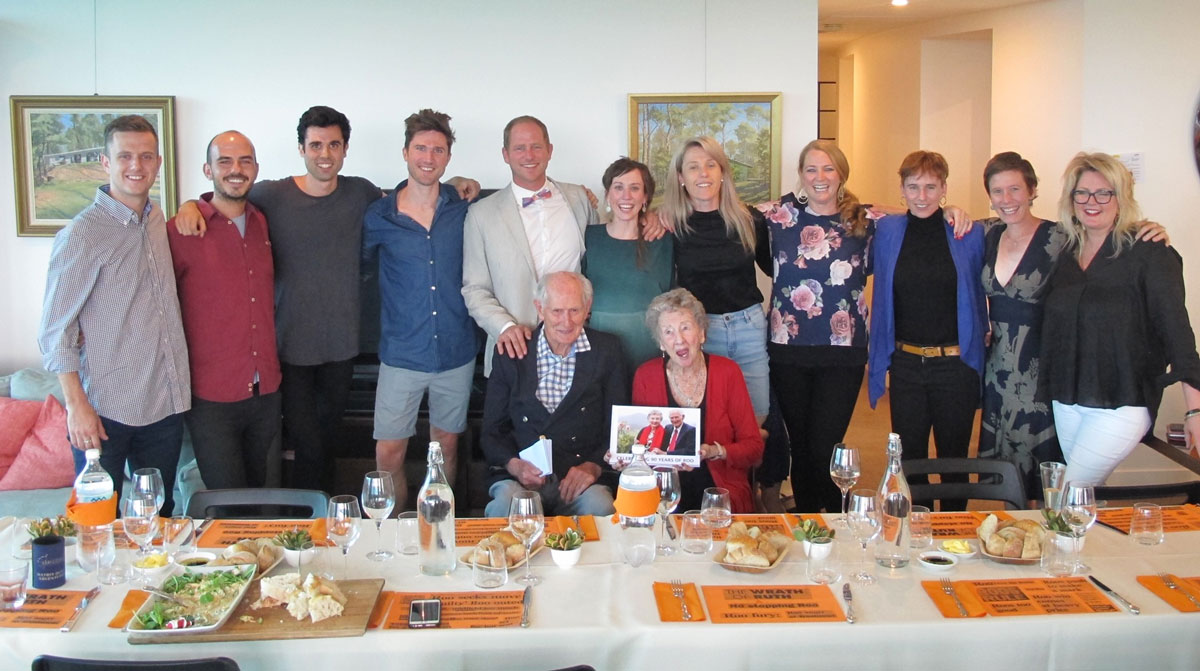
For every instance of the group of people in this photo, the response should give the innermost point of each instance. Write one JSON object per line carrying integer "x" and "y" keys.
{"x": 240, "y": 316}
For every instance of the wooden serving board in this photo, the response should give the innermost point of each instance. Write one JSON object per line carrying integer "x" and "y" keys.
{"x": 277, "y": 624}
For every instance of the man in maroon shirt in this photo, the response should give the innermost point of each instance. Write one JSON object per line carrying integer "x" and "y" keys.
{"x": 226, "y": 290}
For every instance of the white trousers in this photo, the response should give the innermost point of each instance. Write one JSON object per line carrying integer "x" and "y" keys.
{"x": 1096, "y": 440}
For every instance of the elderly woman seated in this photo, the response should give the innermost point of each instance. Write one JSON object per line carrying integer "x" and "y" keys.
{"x": 686, "y": 377}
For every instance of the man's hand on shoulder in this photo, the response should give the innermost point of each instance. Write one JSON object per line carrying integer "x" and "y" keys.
{"x": 655, "y": 225}
{"x": 512, "y": 341}
{"x": 577, "y": 480}
{"x": 189, "y": 221}
{"x": 526, "y": 473}
{"x": 467, "y": 188}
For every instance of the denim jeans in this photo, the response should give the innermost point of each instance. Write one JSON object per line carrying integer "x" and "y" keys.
{"x": 742, "y": 336}
{"x": 155, "y": 445}
{"x": 237, "y": 444}
{"x": 595, "y": 500}
{"x": 1096, "y": 440}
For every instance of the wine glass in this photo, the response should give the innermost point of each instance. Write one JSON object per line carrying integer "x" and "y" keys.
{"x": 378, "y": 499}
{"x": 341, "y": 525}
{"x": 1079, "y": 509}
{"x": 149, "y": 480}
{"x": 179, "y": 535}
{"x": 845, "y": 470}
{"x": 668, "y": 500}
{"x": 139, "y": 518}
{"x": 526, "y": 520}
{"x": 864, "y": 524}
{"x": 714, "y": 508}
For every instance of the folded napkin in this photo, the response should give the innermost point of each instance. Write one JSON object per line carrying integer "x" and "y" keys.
{"x": 636, "y": 504}
{"x": 133, "y": 601}
{"x": 669, "y": 609}
{"x": 587, "y": 526}
{"x": 92, "y": 514}
{"x": 382, "y": 605}
{"x": 945, "y": 603}
{"x": 1174, "y": 597}
{"x": 319, "y": 535}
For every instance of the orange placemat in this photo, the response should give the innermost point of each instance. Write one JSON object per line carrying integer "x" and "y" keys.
{"x": 669, "y": 609}
{"x": 1175, "y": 518}
{"x": 961, "y": 525}
{"x": 468, "y": 532}
{"x": 764, "y": 522}
{"x": 133, "y": 601}
{"x": 1026, "y": 596}
{"x": 43, "y": 609}
{"x": 223, "y": 533}
{"x": 1174, "y": 597}
{"x": 945, "y": 603}
{"x": 382, "y": 606}
{"x": 772, "y": 603}
{"x": 462, "y": 610}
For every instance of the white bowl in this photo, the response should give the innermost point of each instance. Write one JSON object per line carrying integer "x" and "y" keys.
{"x": 192, "y": 559}
{"x": 971, "y": 545}
{"x": 937, "y": 561}
{"x": 292, "y": 557}
{"x": 566, "y": 558}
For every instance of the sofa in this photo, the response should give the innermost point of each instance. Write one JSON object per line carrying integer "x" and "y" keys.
{"x": 36, "y": 468}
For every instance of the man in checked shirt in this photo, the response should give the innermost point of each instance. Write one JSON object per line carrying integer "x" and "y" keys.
{"x": 111, "y": 327}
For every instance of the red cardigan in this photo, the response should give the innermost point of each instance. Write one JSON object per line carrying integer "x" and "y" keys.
{"x": 728, "y": 420}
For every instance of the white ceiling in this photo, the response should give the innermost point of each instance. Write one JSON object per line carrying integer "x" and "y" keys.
{"x": 858, "y": 18}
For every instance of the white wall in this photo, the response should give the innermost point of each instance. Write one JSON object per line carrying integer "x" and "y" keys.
{"x": 256, "y": 66}
{"x": 1140, "y": 86}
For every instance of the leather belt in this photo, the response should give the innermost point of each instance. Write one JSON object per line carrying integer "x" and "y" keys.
{"x": 928, "y": 351}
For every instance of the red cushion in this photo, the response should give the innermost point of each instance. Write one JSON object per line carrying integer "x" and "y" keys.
{"x": 45, "y": 460}
{"x": 16, "y": 419}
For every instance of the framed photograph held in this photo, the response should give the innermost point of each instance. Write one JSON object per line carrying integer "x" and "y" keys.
{"x": 57, "y": 143}
{"x": 671, "y": 435}
{"x": 748, "y": 125}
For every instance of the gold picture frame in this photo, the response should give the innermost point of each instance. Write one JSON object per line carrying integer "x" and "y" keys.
{"x": 748, "y": 125}
{"x": 57, "y": 141}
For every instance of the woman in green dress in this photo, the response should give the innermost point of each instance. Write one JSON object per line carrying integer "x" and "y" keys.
{"x": 626, "y": 270}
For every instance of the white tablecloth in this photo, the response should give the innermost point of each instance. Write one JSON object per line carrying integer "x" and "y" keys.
{"x": 602, "y": 613}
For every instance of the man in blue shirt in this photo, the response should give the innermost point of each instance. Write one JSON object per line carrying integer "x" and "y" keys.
{"x": 427, "y": 339}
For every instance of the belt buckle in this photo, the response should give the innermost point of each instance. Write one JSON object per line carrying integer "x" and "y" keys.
{"x": 930, "y": 352}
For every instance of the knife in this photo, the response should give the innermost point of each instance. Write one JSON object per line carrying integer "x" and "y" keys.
{"x": 1120, "y": 599}
{"x": 87, "y": 599}
{"x": 670, "y": 527}
{"x": 525, "y": 606}
{"x": 849, "y": 602}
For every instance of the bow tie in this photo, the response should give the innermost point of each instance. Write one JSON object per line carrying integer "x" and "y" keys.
{"x": 540, "y": 195}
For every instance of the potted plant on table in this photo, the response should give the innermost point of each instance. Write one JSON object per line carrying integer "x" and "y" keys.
{"x": 809, "y": 531}
{"x": 59, "y": 526}
{"x": 297, "y": 545}
{"x": 565, "y": 548}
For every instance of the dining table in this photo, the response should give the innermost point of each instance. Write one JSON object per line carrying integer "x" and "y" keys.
{"x": 603, "y": 612}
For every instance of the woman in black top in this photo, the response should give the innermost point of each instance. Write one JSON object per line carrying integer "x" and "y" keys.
{"x": 1114, "y": 320}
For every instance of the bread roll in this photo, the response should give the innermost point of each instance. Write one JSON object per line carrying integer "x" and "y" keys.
{"x": 780, "y": 540}
{"x": 506, "y": 537}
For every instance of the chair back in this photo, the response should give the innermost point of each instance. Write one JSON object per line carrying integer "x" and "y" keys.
{"x": 1168, "y": 493}
{"x": 258, "y": 503}
{"x": 51, "y": 663}
{"x": 999, "y": 480}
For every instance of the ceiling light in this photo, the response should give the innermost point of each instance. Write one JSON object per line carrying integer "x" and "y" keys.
{"x": 899, "y": 3}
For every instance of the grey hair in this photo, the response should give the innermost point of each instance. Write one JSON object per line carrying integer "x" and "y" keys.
{"x": 675, "y": 300}
{"x": 543, "y": 286}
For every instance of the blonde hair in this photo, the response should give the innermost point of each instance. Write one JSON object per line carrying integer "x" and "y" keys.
{"x": 1129, "y": 215}
{"x": 849, "y": 208}
{"x": 677, "y": 206}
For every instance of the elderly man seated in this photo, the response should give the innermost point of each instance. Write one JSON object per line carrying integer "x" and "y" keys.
{"x": 564, "y": 389}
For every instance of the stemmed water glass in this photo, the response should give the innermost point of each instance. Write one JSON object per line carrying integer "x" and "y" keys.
{"x": 139, "y": 518}
{"x": 526, "y": 521}
{"x": 864, "y": 523}
{"x": 341, "y": 525}
{"x": 1079, "y": 509}
{"x": 668, "y": 500}
{"x": 844, "y": 469}
{"x": 714, "y": 508}
{"x": 378, "y": 499}
{"x": 150, "y": 481}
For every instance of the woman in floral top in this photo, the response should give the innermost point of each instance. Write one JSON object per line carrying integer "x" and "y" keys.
{"x": 820, "y": 239}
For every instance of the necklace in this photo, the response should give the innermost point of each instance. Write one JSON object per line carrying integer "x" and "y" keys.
{"x": 688, "y": 390}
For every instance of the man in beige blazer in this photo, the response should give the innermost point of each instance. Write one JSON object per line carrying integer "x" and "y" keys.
{"x": 514, "y": 237}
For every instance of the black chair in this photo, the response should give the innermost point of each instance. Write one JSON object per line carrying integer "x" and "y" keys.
{"x": 1001, "y": 480}
{"x": 264, "y": 503}
{"x": 1173, "y": 492}
{"x": 51, "y": 663}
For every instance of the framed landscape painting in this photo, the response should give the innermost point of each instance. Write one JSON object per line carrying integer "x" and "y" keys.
{"x": 57, "y": 143}
{"x": 747, "y": 125}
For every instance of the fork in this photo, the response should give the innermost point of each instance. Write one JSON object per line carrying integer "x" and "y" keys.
{"x": 1171, "y": 584}
{"x": 948, "y": 588}
{"x": 677, "y": 591}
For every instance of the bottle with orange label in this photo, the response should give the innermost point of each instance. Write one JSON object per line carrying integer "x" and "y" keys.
{"x": 895, "y": 502}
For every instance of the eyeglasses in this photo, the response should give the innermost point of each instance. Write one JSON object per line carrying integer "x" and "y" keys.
{"x": 1103, "y": 196}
